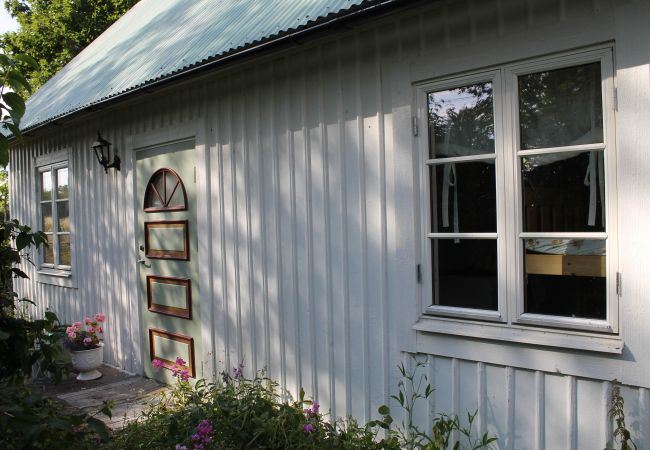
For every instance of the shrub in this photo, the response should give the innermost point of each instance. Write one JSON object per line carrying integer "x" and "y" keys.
{"x": 241, "y": 413}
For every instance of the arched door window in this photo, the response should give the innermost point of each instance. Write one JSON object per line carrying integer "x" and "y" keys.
{"x": 165, "y": 192}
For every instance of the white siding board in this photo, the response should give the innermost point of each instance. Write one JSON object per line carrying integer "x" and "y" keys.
{"x": 591, "y": 411}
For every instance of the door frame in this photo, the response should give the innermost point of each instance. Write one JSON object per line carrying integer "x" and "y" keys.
{"x": 195, "y": 130}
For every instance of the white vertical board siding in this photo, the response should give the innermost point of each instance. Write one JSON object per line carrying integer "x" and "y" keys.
{"x": 311, "y": 234}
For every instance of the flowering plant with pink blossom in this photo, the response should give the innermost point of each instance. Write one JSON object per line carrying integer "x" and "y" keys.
{"x": 85, "y": 335}
{"x": 179, "y": 369}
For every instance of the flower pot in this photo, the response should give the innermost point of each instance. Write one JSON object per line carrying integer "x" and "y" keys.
{"x": 86, "y": 362}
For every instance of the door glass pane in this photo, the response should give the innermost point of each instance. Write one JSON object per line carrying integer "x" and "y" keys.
{"x": 62, "y": 183}
{"x": 46, "y": 185}
{"x": 48, "y": 251}
{"x": 563, "y": 192}
{"x": 561, "y": 107}
{"x": 63, "y": 216}
{"x": 465, "y": 273}
{"x": 64, "y": 250}
{"x": 565, "y": 277}
{"x": 461, "y": 121}
{"x": 464, "y": 197}
{"x": 46, "y": 217}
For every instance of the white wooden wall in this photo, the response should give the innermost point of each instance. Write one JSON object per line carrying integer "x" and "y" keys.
{"x": 309, "y": 221}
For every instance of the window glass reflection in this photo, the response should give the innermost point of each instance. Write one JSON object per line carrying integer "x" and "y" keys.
{"x": 461, "y": 121}
{"x": 561, "y": 107}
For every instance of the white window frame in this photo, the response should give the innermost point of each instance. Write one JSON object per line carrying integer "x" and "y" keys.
{"x": 510, "y": 317}
{"x": 51, "y": 163}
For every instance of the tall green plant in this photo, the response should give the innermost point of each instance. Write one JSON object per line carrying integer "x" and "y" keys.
{"x": 413, "y": 387}
{"x": 617, "y": 414}
{"x": 14, "y": 89}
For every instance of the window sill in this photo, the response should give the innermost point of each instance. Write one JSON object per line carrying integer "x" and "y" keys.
{"x": 522, "y": 334}
{"x": 55, "y": 277}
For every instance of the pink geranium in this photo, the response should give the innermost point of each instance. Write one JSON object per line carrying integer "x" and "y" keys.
{"x": 158, "y": 364}
{"x": 84, "y": 336}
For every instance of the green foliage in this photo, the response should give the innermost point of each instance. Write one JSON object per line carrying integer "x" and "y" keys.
{"x": 255, "y": 414}
{"x": 55, "y": 31}
{"x": 245, "y": 414}
{"x": 28, "y": 420}
{"x": 31, "y": 421}
{"x": 412, "y": 388}
{"x": 13, "y": 90}
{"x": 617, "y": 413}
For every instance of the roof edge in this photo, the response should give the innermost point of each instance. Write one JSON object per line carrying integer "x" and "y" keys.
{"x": 373, "y": 7}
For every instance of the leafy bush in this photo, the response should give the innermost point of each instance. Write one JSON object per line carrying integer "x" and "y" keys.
{"x": 29, "y": 420}
{"x": 238, "y": 413}
{"x": 241, "y": 413}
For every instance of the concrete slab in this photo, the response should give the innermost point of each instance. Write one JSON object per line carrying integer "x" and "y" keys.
{"x": 130, "y": 394}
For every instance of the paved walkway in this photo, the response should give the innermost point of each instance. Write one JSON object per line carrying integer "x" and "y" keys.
{"x": 130, "y": 395}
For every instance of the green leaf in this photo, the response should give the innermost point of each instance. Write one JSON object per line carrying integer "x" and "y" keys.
{"x": 15, "y": 102}
{"x": 26, "y": 59}
{"x": 99, "y": 427}
{"x": 17, "y": 81}
{"x": 14, "y": 129}
{"x": 383, "y": 410}
{"x": 5, "y": 60}
{"x": 4, "y": 151}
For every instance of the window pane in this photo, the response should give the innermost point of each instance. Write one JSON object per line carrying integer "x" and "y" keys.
{"x": 564, "y": 192}
{"x": 464, "y": 197}
{"x": 461, "y": 121}
{"x": 63, "y": 216}
{"x": 48, "y": 251}
{"x": 62, "y": 183}
{"x": 566, "y": 277}
{"x": 46, "y": 185}
{"x": 465, "y": 273}
{"x": 64, "y": 250}
{"x": 46, "y": 217}
{"x": 561, "y": 107}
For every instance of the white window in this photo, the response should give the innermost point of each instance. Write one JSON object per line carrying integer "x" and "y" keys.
{"x": 54, "y": 216}
{"x": 518, "y": 176}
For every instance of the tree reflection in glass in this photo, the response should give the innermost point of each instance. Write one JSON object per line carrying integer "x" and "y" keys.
{"x": 461, "y": 121}
{"x": 561, "y": 107}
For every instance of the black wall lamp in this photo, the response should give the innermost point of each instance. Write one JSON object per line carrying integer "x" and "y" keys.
{"x": 103, "y": 153}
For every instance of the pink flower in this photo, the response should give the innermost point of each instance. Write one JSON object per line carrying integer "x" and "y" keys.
{"x": 204, "y": 427}
{"x": 100, "y": 317}
{"x": 88, "y": 340}
{"x": 72, "y": 335}
{"x": 308, "y": 428}
{"x": 180, "y": 361}
{"x": 185, "y": 375}
{"x": 87, "y": 320}
{"x": 70, "y": 330}
{"x": 180, "y": 447}
{"x": 77, "y": 325}
{"x": 157, "y": 363}
{"x": 195, "y": 437}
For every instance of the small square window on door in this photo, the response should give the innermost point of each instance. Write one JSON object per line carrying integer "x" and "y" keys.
{"x": 167, "y": 239}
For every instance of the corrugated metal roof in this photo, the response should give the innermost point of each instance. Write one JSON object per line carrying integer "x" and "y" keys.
{"x": 159, "y": 38}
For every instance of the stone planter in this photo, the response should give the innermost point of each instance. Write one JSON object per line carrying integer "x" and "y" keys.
{"x": 86, "y": 362}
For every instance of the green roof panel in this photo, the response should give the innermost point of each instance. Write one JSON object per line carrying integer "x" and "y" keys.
{"x": 157, "y": 39}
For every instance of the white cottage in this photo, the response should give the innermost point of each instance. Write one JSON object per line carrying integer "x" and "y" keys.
{"x": 323, "y": 188}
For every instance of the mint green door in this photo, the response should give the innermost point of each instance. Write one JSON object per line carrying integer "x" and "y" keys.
{"x": 168, "y": 259}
